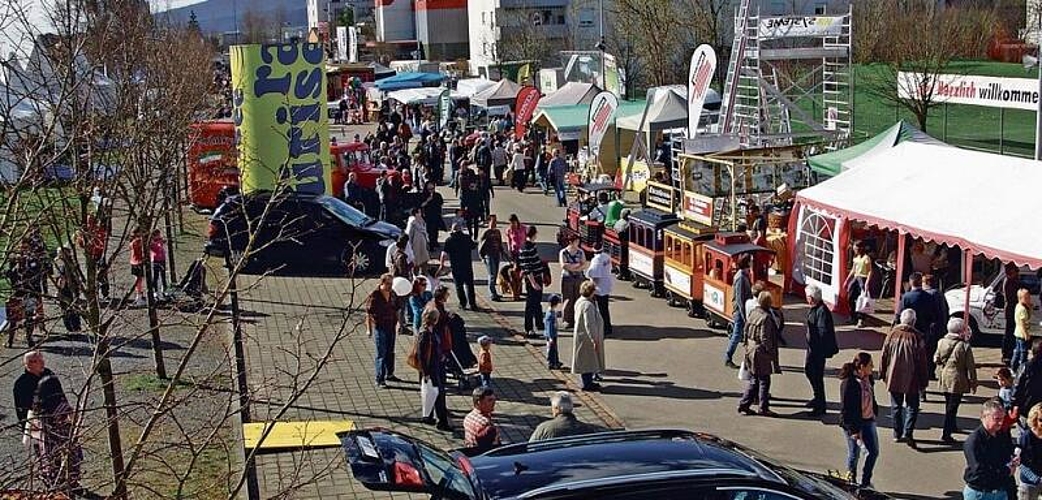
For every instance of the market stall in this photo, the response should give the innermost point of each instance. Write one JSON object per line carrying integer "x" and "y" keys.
{"x": 409, "y": 80}
{"x": 832, "y": 163}
{"x": 502, "y": 93}
{"x": 971, "y": 201}
{"x": 569, "y": 124}
{"x": 570, "y": 94}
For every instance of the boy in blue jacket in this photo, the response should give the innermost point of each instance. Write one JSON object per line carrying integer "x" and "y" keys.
{"x": 550, "y": 332}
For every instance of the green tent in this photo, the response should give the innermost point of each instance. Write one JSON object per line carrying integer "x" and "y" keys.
{"x": 834, "y": 162}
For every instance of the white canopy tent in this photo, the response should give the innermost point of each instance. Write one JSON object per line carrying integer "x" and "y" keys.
{"x": 470, "y": 87}
{"x": 986, "y": 199}
{"x": 424, "y": 96}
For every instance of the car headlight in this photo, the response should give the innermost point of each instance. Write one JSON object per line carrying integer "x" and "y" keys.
{"x": 386, "y": 243}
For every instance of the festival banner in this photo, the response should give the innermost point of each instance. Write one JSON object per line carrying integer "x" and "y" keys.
{"x": 352, "y": 51}
{"x": 279, "y": 95}
{"x": 602, "y": 112}
{"x": 444, "y": 108}
{"x": 988, "y": 91}
{"x": 800, "y": 26}
{"x": 341, "y": 43}
{"x": 700, "y": 75}
{"x": 612, "y": 77}
{"x": 524, "y": 108}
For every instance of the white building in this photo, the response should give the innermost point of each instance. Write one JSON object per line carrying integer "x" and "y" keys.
{"x": 499, "y": 30}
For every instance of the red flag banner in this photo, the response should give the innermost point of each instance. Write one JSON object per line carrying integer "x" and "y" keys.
{"x": 524, "y": 108}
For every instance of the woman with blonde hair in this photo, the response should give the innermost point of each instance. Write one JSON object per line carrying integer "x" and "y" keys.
{"x": 588, "y": 337}
{"x": 1022, "y": 330}
{"x": 1030, "y": 444}
{"x": 432, "y": 371}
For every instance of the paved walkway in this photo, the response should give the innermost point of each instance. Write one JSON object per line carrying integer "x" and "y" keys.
{"x": 292, "y": 321}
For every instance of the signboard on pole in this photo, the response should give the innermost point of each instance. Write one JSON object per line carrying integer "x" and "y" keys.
{"x": 700, "y": 75}
{"x": 279, "y": 94}
{"x": 988, "y": 91}
{"x": 602, "y": 112}
{"x": 341, "y": 43}
{"x": 698, "y": 208}
{"x": 444, "y": 108}
{"x": 524, "y": 108}
{"x": 352, "y": 47}
{"x": 800, "y": 26}
{"x": 661, "y": 196}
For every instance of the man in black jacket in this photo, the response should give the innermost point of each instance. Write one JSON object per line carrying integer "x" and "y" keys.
{"x": 25, "y": 385}
{"x": 990, "y": 459}
{"x": 1028, "y": 390}
{"x": 458, "y": 251}
{"x": 924, "y": 305}
{"x": 821, "y": 345}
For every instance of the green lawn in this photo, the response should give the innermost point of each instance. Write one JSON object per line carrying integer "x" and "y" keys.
{"x": 973, "y": 127}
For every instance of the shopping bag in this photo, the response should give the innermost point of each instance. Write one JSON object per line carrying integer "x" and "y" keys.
{"x": 428, "y": 394}
{"x": 865, "y": 304}
{"x": 743, "y": 373}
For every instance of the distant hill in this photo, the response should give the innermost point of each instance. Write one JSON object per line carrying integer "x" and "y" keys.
{"x": 220, "y": 15}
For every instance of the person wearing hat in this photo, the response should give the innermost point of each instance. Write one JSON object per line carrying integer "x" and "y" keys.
{"x": 459, "y": 247}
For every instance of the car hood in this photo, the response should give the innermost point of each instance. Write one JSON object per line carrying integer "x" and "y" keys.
{"x": 956, "y": 297}
{"x": 383, "y": 230}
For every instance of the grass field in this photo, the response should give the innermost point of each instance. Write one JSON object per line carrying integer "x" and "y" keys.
{"x": 974, "y": 127}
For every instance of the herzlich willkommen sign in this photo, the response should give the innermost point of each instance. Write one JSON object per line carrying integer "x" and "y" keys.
{"x": 989, "y": 91}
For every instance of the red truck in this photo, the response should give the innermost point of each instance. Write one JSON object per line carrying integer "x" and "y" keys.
{"x": 213, "y": 166}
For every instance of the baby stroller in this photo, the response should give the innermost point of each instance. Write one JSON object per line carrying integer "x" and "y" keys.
{"x": 187, "y": 294}
{"x": 461, "y": 362}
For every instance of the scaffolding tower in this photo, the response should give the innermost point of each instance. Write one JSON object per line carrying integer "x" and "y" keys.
{"x": 789, "y": 77}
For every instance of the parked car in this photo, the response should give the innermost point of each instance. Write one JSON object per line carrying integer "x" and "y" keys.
{"x": 300, "y": 232}
{"x": 649, "y": 464}
{"x": 987, "y": 302}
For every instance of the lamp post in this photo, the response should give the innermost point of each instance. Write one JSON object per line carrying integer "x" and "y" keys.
{"x": 601, "y": 46}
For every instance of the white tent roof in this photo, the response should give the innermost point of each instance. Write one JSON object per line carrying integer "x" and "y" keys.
{"x": 570, "y": 94}
{"x": 501, "y": 93}
{"x": 471, "y": 86}
{"x": 986, "y": 201}
{"x": 427, "y": 96}
{"x": 667, "y": 110}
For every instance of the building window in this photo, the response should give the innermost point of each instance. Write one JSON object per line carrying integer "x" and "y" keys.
{"x": 560, "y": 19}
{"x": 818, "y": 249}
{"x": 820, "y": 9}
{"x": 484, "y": 48}
{"x": 483, "y": 18}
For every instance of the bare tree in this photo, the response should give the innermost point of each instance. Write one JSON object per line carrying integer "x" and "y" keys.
{"x": 662, "y": 53}
{"x": 920, "y": 41}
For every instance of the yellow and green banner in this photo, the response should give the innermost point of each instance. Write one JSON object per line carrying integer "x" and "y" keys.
{"x": 281, "y": 122}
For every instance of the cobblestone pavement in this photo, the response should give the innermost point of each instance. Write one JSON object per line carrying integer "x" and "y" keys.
{"x": 293, "y": 319}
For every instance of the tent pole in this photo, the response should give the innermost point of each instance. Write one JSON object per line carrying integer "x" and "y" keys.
{"x": 900, "y": 271}
{"x": 967, "y": 271}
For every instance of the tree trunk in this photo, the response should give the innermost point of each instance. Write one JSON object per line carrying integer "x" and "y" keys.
{"x": 112, "y": 413}
{"x": 153, "y": 315}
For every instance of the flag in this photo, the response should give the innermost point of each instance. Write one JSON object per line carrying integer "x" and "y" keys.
{"x": 444, "y": 108}
{"x": 602, "y": 112}
{"x": 703, "y": 65}
{"x": 524, "y": 108}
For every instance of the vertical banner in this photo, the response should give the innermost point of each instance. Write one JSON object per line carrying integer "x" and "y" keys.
{"x": 524, "y": 108}
{"x": 524, "y": 74}
{"x": 602, "y": 112}
{"x": 612, "y": 79}
{"x": 352, "y": 50}
{"x": 444, "y": 108}
{"x": 341, "y": 43}
{"x": 703, "y": 66}
{"x": 279, "y": 94}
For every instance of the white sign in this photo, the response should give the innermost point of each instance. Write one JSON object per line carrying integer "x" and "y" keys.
{"x": 341, "y": 43}
{"x": 641, "y": 263}
{"x": 312, "y": 14}
{"x": 677, "y": 280}
{"x": 989, "y": 91}
{"x": 700, "y": 74}
{"x": 602, "y": 112}
{"x": 352, "y": 38}
{"x": 798, "y": 26}
{"x": 713, "y": 297}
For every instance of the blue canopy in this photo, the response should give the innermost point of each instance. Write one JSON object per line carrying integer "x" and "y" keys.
{"x": 409, "y": 80}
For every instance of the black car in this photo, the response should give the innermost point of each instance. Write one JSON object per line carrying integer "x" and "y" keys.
{"x": 650, "y": 464}
{"x": 300, "y": 232}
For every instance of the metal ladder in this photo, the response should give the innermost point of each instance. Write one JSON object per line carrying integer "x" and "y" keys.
{"x": 837, "y": 85}
{"x": 734, "y": 107}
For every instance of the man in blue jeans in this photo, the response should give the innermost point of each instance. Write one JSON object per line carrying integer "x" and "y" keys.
{"x": 743, "y": 291}
{"x": 381, "y": 323}
{"x": 490, "y": 249}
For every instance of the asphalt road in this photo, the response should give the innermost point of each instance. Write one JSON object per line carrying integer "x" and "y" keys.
{"x": 666, "y": 370}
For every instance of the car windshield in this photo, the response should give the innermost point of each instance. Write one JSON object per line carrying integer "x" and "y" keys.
{"x": 444, "y": 473}
{"x": 345, "y": 212}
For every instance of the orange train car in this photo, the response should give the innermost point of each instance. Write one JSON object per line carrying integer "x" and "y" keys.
{"x": 720, "y": 263}
{"x": 683, "y": 270}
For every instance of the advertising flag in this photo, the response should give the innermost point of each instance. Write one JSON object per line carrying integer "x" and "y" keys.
{"x": 444, "y": 108}
{"x": 352, "y": 51}
{"x": 703, "y": 66}
{"x": 341, "y": 43}
{"x": 524, "y": 108}
{"x": 602, "y": 112}
{"x": 279, "y": 98}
